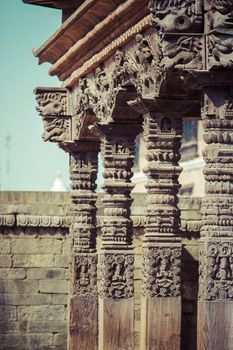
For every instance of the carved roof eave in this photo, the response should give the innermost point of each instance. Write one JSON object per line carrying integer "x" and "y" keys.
{"x": 71, "y": 46}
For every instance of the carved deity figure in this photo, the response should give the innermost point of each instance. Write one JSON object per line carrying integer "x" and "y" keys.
{"x": 102, "y": 82}
{"x": 85, "y": 97}
{"x": 120, "y": 148}
{"x": 166, "y": 125}
{"x": 143, "y": 53}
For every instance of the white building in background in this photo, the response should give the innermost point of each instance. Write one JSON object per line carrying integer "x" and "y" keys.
{"x": 58, "y": 185}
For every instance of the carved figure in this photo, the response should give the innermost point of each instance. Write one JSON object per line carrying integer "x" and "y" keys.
{"x": 102, "y": 82}
{"x": 184, "y": 53}
{"x": 166, "y": 125}
{"x": 54, "y": 129}
{"x": 143, "y": 53}
{"x": 85, "y": 97}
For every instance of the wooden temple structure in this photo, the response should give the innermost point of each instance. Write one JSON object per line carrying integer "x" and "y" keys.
{"x": 129, "y": 67}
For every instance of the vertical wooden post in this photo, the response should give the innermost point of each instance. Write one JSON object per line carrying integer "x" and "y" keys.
{"x": 116, "y": 303}
{"x": 83, "y": 301}
{"x": 161, "y": 295}
{"x": 215, "y": 306}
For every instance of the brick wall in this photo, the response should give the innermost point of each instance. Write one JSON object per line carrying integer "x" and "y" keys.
{"x": 34, "y": 269}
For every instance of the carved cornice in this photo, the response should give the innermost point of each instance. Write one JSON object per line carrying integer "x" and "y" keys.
{"x": 107, "y": 51}
{"x": 82, "y": 21}
{"x": 25, "y": 220}
{"x": 125, "y": 17}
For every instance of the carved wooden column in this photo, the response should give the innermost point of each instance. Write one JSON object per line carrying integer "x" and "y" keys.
{"x": 116, "y": 318}
{"x": 215, "y": 308}
{"x": 54, "y": 105}
{"x": 161, "y": 299}
{"x": 83, "y": 304}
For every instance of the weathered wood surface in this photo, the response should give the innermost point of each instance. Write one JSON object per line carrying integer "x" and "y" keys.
{"x": 215, "y": 325}
{"x": 116, "y": 322}
{"x": 83, "y": 324}
{"x": 160, "y": 323}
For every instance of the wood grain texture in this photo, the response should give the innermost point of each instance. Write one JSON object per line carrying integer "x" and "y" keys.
{"x": 83, "y": 325}
{"x": 116, "y": 323}
{"x": 160, "y": 323}
{"x": 215, "y": 325}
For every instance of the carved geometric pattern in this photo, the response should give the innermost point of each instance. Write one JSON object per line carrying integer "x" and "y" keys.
{"x": 117, "y": 271}
{"x": 161, "y": 271}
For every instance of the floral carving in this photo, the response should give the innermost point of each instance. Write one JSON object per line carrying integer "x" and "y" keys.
{"x": 161, "y": 272}
{"x": 117, "y": 275}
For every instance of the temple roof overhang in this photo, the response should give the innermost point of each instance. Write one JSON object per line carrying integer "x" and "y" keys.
{"x": 109, "y": 24}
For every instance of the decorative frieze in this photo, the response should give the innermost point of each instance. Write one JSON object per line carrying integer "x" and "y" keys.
{"x": 42, "y": 220}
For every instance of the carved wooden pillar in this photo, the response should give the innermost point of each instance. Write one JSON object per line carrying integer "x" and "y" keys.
{"x": 215, "y": 308}
{"x": 116, "y": 319}
{"x": 83, "y": 303}
{"x": 161, "y": 300}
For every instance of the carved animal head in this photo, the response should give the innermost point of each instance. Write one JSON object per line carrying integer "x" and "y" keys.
{"x": 173, "y": 15}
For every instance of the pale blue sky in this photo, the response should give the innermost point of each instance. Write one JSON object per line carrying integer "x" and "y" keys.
{"x": 29, "y": 163}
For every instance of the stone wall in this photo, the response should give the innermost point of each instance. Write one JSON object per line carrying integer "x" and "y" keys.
{"x": 34, "y": 268}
